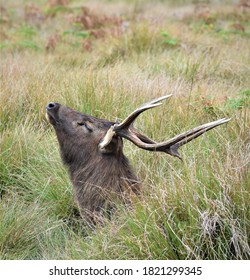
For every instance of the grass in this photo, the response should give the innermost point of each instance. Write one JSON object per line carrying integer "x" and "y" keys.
{"x": 195, "y": 209}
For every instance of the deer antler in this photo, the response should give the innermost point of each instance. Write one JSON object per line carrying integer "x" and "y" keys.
{"x": 125, "y": 130}
{"x": 129, "y": 120}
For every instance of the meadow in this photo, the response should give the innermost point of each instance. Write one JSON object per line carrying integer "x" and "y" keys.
{"x": 105, "y": 58}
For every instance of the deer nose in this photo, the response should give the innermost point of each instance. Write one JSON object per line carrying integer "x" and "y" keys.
{"x": 52, "y": 105}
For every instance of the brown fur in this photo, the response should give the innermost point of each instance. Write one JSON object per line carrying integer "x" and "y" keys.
{"x": 98, "y": 178}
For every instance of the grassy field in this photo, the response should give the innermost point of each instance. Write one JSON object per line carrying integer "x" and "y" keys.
{"x": 106, "y": 59}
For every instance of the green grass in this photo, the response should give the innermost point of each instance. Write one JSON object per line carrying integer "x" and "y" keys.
{"x": 195, "y": 209}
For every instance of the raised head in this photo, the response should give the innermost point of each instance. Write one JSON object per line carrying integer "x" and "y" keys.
{"x": 92, "y": 149}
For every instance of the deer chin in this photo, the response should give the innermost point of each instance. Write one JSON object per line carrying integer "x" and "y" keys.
{"x": 50, "y": 118}
{"x": 52, "y": 112}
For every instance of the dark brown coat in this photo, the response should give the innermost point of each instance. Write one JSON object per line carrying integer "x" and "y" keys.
{"x": 98, "y": 178}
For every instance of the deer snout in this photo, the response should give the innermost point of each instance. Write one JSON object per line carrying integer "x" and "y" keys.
{"x": 52, "y": 105}
{"x": 52, "y": 111}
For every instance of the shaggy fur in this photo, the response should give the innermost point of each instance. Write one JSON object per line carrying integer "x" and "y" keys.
{"x": 98, "y": 178}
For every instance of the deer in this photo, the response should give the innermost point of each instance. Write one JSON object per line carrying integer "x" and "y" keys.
{"x": 92, "y": 150}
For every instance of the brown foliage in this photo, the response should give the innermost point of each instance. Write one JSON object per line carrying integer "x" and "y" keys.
{"x": 52, "y": 42}
{"x": 87, "y": 45}
{"x": 4, "y": 15}
{"x": 203, "y": 11}
{"x": 244, "y": 3}
{"x": 33, "y": 14}
{"x": 244, "y": 6}
{"x": 99, "y": 25}
{"x": 91, "y": 20}
{"x": 56, "y": 3}
{"x": 238, "y": 26}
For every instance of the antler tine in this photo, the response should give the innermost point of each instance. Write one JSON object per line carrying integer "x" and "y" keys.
{"x": 170, "y": 146}
{"x": 142, "y": 141}
{"x": 186, "y": 137}
{"x": 124, "y": 125}
{"x": 130, "y": 119}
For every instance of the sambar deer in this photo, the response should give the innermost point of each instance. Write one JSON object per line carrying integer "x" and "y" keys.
{"x": 92, "y": 149}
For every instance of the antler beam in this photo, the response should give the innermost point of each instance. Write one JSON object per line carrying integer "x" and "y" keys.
{"x": 170, "y": 146}
{"x": 130, "y": 119}
{"x": 125, "y": 130}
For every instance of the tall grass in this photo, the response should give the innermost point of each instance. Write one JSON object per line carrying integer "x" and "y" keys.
{"x": 195, "y": 209}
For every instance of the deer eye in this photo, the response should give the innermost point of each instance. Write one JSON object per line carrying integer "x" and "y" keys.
{"x": 85, "y": 125}
{"x": 80, "y": 123}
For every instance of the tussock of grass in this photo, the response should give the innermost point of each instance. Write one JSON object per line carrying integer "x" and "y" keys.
{"x": 195, "y": 209}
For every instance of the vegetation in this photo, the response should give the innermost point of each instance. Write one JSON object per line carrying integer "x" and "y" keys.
{"x": 105, "y": 59}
